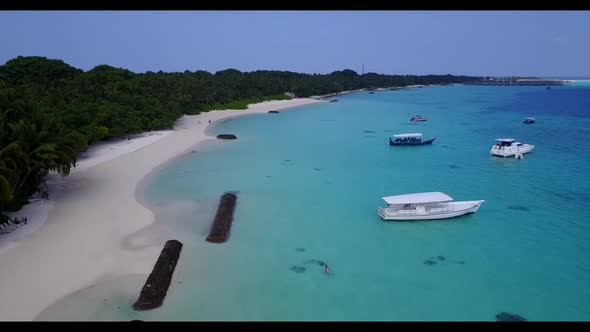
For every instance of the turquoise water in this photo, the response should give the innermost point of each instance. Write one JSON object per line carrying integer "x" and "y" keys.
{"x": 310, "y": 180}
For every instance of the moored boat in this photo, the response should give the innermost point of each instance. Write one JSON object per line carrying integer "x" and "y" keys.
{"x": 529, "y": 120}
{"x": 418, "y": 118}
{"x": 409, "y": 139}
{"x": 425, "y": 206}
{"x": 508, "y": 147}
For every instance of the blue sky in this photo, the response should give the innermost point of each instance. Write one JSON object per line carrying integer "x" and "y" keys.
{"x": 539, "y": 43}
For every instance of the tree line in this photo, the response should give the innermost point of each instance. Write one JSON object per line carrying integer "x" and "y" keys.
{"x": 50, "y": 111}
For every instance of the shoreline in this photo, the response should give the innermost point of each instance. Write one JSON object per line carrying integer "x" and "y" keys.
{"x": 95, "y": 226}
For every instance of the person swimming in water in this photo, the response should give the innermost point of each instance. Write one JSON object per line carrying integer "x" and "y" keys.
{"x": 326, "y": 268}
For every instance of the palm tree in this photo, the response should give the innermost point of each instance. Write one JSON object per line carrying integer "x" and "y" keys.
{"x": 41, "y": 146}
{"x": 7, "y": 181}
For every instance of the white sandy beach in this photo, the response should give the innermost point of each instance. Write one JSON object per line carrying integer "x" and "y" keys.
{"x": 76, "y": 237}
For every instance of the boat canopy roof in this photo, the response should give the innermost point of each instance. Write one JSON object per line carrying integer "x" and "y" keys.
{"x": 531, "y": 118}
{"x": 431, "y": 197}
{"x": 408, "y": 135}
{"x": 508, "y": 140}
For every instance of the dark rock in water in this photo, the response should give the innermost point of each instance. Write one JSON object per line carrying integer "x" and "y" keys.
{"x": 268, "y": 176}
{"x": 454, "y": 166}
{"x": 508, "y": 317}
{"x": 317, "y": 169}
{"x": 460, "y": 262}
{"x": 368, "y": 131}
{"x": 297, "y": 269}
{"x": 156, "y": 286}
{"x": 274, "y": 112}
{"x": 300, "y": 249}
{"x": 429, "y": 262}
{"x": 223, "y": 219}
{"x": 288, "y": 162}
{"x": 518, "y": 208}
{"x": 227, "y": 136}
{"x": 440, "y": 258}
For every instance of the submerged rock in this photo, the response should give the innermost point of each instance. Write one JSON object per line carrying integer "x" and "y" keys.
{"x": 508, "y": 317}
{"x": 454, "y": 166}
{"x": 440, "y": 258}
{"x": 429, "y": 262}
{"x": 297, "y": 269}
{"x": 300, "y": 249}
{"x": 368, "y": 131}
{"x": 518, "y": 208}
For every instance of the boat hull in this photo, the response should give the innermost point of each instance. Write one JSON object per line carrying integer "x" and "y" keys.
{"x": 511, "y": 151}
{"x": 458, "y": 209}
{"x": 422, "y": 142}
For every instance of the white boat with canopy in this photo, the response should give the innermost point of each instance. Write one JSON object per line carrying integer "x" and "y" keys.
{"x": 425, "y": 206}
{"x": 508, "y": 147}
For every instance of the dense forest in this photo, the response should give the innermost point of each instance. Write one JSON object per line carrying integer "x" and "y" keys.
{"x": 50, "y": 111}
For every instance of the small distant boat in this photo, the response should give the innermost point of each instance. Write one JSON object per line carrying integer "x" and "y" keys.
{"x": 529, "y": 120}
{"x": 508, "y": 147}
{"x": 425, "y": 206}
{"x": 333, "y": 100}
{"x": 371, "y": 93}
{"x": 409, "y": 139}
{"x": 548, "y": 88}
{"x": 418, "y": 118}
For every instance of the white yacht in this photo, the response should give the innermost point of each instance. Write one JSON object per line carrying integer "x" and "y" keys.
{"x": 425, "y": 206}
{"x": 508, "y": 147}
